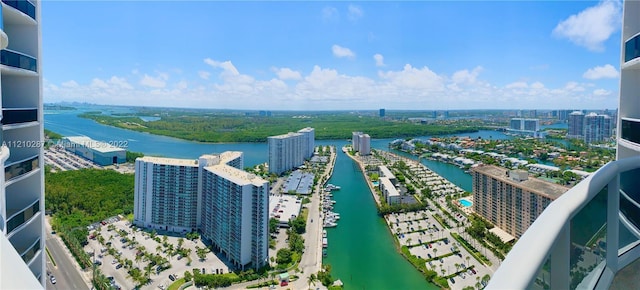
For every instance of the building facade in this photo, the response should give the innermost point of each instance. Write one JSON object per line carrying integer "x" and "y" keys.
{"x": 628, "y": 134}
{"x": 509, "y": 198}
{"x": 576, "y": 125}
{"x": 235, "y": 206}
{"x": 166, "y": 194}
{"x": 22, "y": 188}
{"x": 290, "y": 150}
{"x": 361, "y": 143}
{"x": 597, "y": 128}
{"x": 213, "y": 195}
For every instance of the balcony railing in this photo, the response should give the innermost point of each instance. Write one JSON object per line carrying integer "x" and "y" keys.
{"x": 577, "y": 242}
{"x": 20, "y": 218}
{"x": 12, "y": 116}
{"x": 23, "y": 6}
{"x": 18, "y": 60}
{"x": 21, "y": 167}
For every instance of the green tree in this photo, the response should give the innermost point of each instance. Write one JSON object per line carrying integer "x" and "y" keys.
{"x": 284, "y": 256}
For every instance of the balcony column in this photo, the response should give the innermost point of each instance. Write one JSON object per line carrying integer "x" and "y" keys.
{"x": 613, "y": 223}
{"x": 560, "y": 259}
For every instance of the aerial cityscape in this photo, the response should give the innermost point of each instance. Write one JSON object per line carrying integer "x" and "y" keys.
{"x": 319, "y": 145}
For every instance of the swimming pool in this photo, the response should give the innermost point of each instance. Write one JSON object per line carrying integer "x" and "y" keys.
{"x": 466, "y": 202}
{"x": 375, "y": 183}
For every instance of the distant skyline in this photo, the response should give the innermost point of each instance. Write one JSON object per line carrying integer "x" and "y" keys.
{"x": 333, "y": 55}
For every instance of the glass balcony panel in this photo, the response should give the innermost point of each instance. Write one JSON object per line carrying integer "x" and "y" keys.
{"x": 626, "y": 237}
{"x": 588, "y": 239}
{"x": 15, "y": 170}
{"x": 17, "y": 116}
{"x": 630, "y": 186}
{"x": 543, "y": 278}
{"x": 632, "y": 48}
{"x": 29, "y": 254}
{"x": 23, "y": 6}
{"x": 22, "y": 217}
{"x": 631, "y": 131}
{"x": 15, "y": 59}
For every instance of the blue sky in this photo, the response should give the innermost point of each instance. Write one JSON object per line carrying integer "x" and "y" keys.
{"x": 334, "y": 55}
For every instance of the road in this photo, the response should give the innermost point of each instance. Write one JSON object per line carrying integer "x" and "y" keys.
{"x": 66, "y": 271}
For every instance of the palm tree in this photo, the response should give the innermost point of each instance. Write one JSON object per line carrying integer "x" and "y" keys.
{"x": 311, "y": 280}
{"x": 159, "y": 249}
{"x": 180, "y": 242}
{"x": 435, "y": 251}
{"x": 468, "y": 258}
{"x": 486, "y": 278}
{"x": 478, "y": 285}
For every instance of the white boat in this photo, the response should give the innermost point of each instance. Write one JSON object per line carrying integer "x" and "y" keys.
{"x": 324, "y": 233}
{"x": 330, "y": 224}
{"x": 325, "y": 242}
{"x": 331, "y": 187}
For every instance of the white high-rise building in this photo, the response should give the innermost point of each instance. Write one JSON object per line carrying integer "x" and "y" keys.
{"x": 576, "y": 125}
{"x": 235, "y": 207}
{"x": 355, "y": 140}
{"x": 166, "y": 194}
{"x": 22, "y": 188}
{"x": 289, "y": 151}
{"x": 364, "y": 145}
{"x": 597, "y": 128}
{"x": 212, "y": 194}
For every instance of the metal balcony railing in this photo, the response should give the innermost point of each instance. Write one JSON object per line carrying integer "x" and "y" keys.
{"x": 578, "y": 241}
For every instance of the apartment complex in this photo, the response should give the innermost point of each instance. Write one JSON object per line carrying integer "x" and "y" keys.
{"x": 166, "y": 194}
{"x": 361, "y": 143}
{"x": 22, "y": 188}
{"x": 235, "y": 210}
{"x": 212, "y": 194}
{"x": 387, "y": 185}
{"x": 591, "y": 127}
{"x": 522, "y": 126}
{"x": 290, "y": 150}
{"x": 510, "y": 199}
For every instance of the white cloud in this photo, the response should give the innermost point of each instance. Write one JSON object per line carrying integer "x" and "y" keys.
{"x": 98, "y": 83}
{"x": 465, "y": 76}
{"x": 592, "y": 26}
{"x": 339, "y": 51}
{"x": 411, "y": 77}
{"x": 70, "y": 84}
{"x": 355, "y": 12}
{"x": 120, "y": 82}
{"x": 600, "y": 72}
{"x": 204, "y": 74}
{"x": 329, "y": 13}
{"x": 517, "y": 85}
{"x": 601, "y": 92}
{"x": 379, "y": 59}
{"x": 286, "y": 73}
{"x": 227, "y": 66}
{"x": 157, "y": 82}
{"x": 322, "y": 88}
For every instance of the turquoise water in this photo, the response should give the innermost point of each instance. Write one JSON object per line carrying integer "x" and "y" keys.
{"x": 466, "y": 202}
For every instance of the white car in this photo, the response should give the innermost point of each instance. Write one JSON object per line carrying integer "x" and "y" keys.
{"x": 53, "y": 279}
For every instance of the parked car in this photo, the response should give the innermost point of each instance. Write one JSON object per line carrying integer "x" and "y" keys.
{"x": 172, "y": 278}
{"x": 118, "y": 266}
{"x": 452, "y": 280}
{"x": 53, "y": 279}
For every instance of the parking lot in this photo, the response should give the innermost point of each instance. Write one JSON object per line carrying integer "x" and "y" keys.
{"x": 428, "y": 240}
{"x": 62, "y": 160}
{"x": 120, "y": 249}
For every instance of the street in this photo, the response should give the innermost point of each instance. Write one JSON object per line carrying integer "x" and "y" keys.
{"x": 66, "y": 272}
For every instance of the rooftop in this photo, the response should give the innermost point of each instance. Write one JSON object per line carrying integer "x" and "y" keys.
{"x": 532, "y": 184}
{"x": 99, "y": 146}
{"x": 169, "y": 161}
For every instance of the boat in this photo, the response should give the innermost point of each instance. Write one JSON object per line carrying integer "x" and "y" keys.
{"x": 329, "y": 224}
{"x": 325, "y": 242}
{"x": 324, "y": 233}
{"x": 324, "y": 252}
{"x": 331, "y": 187}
